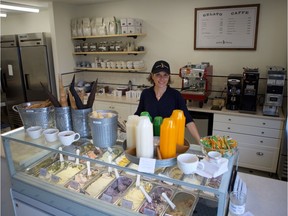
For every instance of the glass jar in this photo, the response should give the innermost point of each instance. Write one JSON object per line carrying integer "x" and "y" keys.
{"x": 85, "y": 47}
{"x": 92, "y": 47}
{"x": 112, "y": 46}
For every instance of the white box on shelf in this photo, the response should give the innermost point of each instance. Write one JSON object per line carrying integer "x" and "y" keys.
{"x": 124, "y": 30}
{"x": 131, "y": 22}
{"x": 123, "y": 21}
{"x": 131, "y": 29}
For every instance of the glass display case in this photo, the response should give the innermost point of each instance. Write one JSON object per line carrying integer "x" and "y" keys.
{"x": 82, "y": 179}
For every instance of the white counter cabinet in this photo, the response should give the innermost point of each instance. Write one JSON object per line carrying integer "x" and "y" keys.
{"x": 258, "y": 139}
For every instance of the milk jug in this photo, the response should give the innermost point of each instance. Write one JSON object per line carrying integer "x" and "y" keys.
{"x": 131, "y": 124}
{"x": 144, "y": 138}
{"x": 179, "y": 119}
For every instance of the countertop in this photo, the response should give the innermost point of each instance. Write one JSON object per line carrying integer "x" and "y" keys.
{"x": 265, "y": 196}
{"x": 193, "y": 106}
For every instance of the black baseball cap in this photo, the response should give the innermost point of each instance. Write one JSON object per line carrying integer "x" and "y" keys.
{"x": 161, "y": 66}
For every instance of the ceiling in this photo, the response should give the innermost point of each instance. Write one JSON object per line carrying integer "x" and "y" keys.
{"x": 43, "y": 4}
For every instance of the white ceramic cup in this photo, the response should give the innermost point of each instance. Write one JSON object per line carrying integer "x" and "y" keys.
{"x": 51, "y": 134}
{"x": 214, "y": 156}
{"x": 68, "y": 137}
{"x": 189, "y": 163}
{"x": 34, "y": 131}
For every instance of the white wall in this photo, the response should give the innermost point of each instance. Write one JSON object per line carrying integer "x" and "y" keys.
{"x": 169, "y": 26}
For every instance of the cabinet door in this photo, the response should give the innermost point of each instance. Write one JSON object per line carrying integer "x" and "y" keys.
{"x": 264, "y": 158}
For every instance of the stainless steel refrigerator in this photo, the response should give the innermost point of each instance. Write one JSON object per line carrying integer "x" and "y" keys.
{"x": 26, "y": 60}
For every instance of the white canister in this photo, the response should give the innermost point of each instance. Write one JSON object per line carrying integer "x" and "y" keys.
{"x": 131, "y": 124}
{"x": 144, "y": 138}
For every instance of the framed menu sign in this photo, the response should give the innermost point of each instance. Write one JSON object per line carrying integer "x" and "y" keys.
{"x": 226, "y": 28}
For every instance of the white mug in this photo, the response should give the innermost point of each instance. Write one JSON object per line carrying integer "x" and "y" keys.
{"x": 50, "y": 134}
{"x": 189, "y": 163}
{"x": 68, "y": 137}
{"x": 34, "y": 131}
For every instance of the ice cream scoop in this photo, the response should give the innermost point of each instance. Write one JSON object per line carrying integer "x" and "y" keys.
{"x": 171, "y": 204}
{"x": 148, "y": 198}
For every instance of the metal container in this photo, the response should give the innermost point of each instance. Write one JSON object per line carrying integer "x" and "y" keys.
{"x": 80, "y": 122}
{"x": 185, "y": 204}
{"x": 104, "y": 130}
{"x": 63, "y": 118}
{"x": 44, "y": 117}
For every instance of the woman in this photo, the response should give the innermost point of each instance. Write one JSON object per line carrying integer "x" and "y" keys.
{"x": 161, "y": 99}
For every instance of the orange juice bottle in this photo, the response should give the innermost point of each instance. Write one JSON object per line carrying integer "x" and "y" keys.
{"x": 179, "y": 119}
{"x": 168, "y": 138}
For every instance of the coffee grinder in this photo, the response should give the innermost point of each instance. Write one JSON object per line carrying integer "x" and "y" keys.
{"x": 249, "y": 92}
{"x": 234, "y": 84}
{"x": 274, "y": 93}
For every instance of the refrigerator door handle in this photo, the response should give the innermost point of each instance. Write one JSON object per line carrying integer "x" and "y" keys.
{"x": 4, "y": 83}
{"x": 27, "y": 81}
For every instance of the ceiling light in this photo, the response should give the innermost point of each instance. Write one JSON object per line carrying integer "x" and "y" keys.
{"x": 19, "y": 8}
{"x": 3, "y": 15}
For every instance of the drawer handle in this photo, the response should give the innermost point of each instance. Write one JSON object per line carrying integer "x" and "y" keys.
{"x": 228, "y": 128}
{"x": 261, "y": 141}
{"x": 262, "y": 132}
{"x": 264, "y": 123}
{"x": 229, "y": 119}
{"x": 260, "y": 153}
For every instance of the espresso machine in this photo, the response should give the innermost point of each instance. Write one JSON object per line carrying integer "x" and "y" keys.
{"x": 274, "y": 92}
{"x": 249, "y": 91}
{"x": 196, "y": 82}
{"x": 234, "y": 85}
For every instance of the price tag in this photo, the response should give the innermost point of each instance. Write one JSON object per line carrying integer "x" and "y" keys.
{"x": 70, "y": 158}
{"x": 43, "y": 172}
{"x": 127, "y": 204}
{"x": 55, "y": 179}
{"x": 147, "y": 165}
{"x": 106, "y": 198}
{"x": 149, "y": 212}
{"x": 74, "y": 184}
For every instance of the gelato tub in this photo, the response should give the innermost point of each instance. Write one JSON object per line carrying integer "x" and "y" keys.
{"x": 122, "y": 160}
{"x": 43, "y": 164}
{"x": 184, "y": 202}
{"x": 81, "y": 179}
{"x": 158, "y": 204}
{"x": 134, "y": 197}
{"x": 99, "y": 184}
{"x": 192, "y": 179}
{"x": 50, "y": 171}
{"x": 68, "y": 172}
{"x": 116, "y": 189}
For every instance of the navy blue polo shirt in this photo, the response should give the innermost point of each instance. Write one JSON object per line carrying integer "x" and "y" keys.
{"x": 170, "y": 100}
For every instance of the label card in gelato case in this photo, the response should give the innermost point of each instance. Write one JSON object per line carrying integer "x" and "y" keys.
{"x": 106, "y": 198}
{"x": 147, "y": 165}
{"x": 43, "y": 172}
{"x": 74, "y": 184}
{"x": 55, "y": 179}
{"x": 149, "y": 212}
{"x": 127, "y": 204}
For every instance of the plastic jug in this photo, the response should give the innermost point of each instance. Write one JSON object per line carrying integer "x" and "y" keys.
{"x": 131, "y": 124}
{"x": 179, "y": 119}
{"x": 168, "y": 138}
{"x": 144, "y": 138}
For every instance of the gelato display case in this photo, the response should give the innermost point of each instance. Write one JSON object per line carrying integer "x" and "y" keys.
{"x": 77, "y": 184}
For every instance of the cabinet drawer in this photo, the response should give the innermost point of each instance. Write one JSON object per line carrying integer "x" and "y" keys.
{"x": 243, "y": 129}
{"x": 250, "y": 140}
{"x": 264, "y": 159}
{"x": 258, "y": 122}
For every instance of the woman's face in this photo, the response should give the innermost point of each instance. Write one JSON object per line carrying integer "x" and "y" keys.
{"x": 161, "y": 79}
